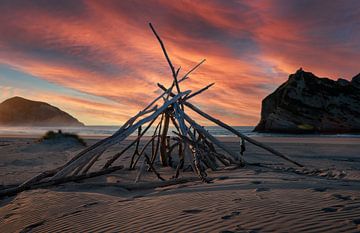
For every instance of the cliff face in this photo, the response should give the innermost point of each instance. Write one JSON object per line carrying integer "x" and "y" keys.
{"x": 18, "y": 111}
{"x": 308, "y": 104}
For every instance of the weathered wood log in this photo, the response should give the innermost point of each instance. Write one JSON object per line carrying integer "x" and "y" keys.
{"x": 43, "y": 184}
{"x": 116, "y": 138}
{"x": 234, "y": 131}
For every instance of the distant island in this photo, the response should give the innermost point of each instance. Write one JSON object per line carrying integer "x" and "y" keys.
{"x": 306, "y": 103}
{"x": 18, "y": 111}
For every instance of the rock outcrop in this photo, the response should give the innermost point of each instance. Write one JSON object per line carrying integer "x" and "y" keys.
{"x": 308, "y": 104}
{"x": 18, "y": 111}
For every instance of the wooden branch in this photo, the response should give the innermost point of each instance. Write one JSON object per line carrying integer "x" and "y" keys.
{"x": 234, "y": 131}
{"x": 92, "y": 162}
{"x": 142, "y": 151}
{"x": 153, "y": 156}
{"x": 163, "y": 155}
{"x": 105, "y": 140}
{"x": 190, "y": 71}
{"x": 198, "y": 92}
{"x": 116, "y": 138}
{"x": 167, "y": 58}
{"x": 116, "y": 156}
{"x": 43, "y": 184}
{"x": 151, "y": 166}
{"x": 39, "y": 177}
{"x": 233, "y": 155}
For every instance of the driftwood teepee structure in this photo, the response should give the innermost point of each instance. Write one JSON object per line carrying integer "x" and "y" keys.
{"x": 192, "y": 142}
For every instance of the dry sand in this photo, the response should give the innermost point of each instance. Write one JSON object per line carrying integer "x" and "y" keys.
{"x": 324, "y": 197}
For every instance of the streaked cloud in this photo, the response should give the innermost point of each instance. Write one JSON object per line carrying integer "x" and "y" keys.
{"x": 100, "y": 61}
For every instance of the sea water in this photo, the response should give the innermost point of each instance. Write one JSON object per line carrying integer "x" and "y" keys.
{"x": 105, "y": 131}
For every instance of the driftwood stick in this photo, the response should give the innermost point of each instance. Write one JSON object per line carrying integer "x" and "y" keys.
{"x": 234, "y": 131}
{"x": 43, "y": 184}
{"x": 151, "y": 166}
{"x": 116, "y": 138}
{"x": 199, "y": 152}
{"x": 198, "y": 92}
{"x": 153, "y": 156}
{"x": 167, "y": 58}
{"x": 142, "y": 151}
{"x": 136, "y": 151}
{"x": 173, "y": 121}
{"x": 86, "y": 169}
{"x": 163, "y": 145}
{"x": 233, "y": 155}
{"x": 103, "y": 141}
{"x": 190, "y": 71}
{"x": 116, "y": 156}
{"x": 39, "y": 177}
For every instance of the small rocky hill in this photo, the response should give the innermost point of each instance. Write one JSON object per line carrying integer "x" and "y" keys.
{"x": 18, "y": 111}
{"x": 306, "y": 103}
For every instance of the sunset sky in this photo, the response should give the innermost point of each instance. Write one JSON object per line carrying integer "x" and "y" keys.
{"x": 99, "y": 61}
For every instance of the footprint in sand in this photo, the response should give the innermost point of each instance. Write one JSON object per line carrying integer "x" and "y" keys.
{"x": 237, "y": 199}
{"x": 233, "y": 214}
{"x": 239, "y": 228}
{"x": 333, "y": 208}
{"x": 262, "y": 189}
{"x": 329, "y": 209}
{"x": 342, "y": 197}
{"x": 356, "y": 222}
{"x": 320, "y": 189}
{"x": 192, "y": 211}
{"x": 31, "y": 227}
{"x": 8, "y": 215}
{"x": 90, "y": 204}
{"x": 256, "y": 182}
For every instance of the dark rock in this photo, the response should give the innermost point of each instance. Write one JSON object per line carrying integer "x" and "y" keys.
{"x": 18, "y": 111}
{"x": 308, "y": 104}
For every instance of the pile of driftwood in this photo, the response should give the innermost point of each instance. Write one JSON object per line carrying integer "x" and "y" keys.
{"x": 191, "y": 142}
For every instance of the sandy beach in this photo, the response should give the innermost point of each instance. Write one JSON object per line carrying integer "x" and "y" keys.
{"x": 269, "y": 195}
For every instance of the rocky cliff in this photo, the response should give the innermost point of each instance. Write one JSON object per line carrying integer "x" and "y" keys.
{"x": 18, "y": 111}
{"x": 308, "y": 104}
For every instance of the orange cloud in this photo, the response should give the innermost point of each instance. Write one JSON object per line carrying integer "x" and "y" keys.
{"x": 106, "y": 50}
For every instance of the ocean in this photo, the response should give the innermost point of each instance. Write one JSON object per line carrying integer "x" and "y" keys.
{"x": 105, "y": 131}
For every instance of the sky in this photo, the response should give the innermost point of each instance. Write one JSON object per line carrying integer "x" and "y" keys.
{"x": 100, "y": 62}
